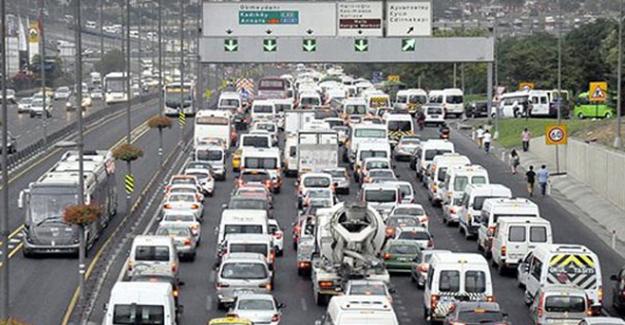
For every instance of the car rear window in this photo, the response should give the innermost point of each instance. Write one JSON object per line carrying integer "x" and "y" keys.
{"x": 243, "y": 270}
{"x": 562, "y": 304}
{"x": 403, "y": 249}
{"x": 380, "y": 196}
{"x": 480, "y": 316}
{"x": 152, "y": 253}
{"x": 138, "y": 314}
{"x": 249, "y": 248}
{"x": 414, "y": 235}
{"x": 538, "y": 234}
{"x": 317, "y": 181}
{"x": 475, "y": 282}
{"x": 449, "y": 281}
{"x": 243, "y": 229}
{"x": 409, "y": 211}
{"x": 516, "y": 234}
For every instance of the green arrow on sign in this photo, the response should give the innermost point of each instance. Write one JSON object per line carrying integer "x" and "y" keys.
{"x": 270, "y": 45}
{"x": 361, "y": 45}
{"x": 231, "y": 45}
{"x": 408, "y": 44}
{"x": 310, "y": 45}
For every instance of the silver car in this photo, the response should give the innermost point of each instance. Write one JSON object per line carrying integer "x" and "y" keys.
{"x": 563, "y": 305}
{"x": 184, "y": 240}
{"x": 340, "y": 178}
{"x": 241, "y": 273}
{"x": 261, "y": 309}
{"x": 406, "y": 147}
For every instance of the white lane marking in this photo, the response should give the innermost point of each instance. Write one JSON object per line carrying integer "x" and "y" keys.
{"x": 211, "y": 276}
{"x": 304, "y": 304}
{"x": 209, "y": 303}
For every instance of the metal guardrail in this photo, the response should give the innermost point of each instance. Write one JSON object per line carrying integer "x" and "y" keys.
{"x": 40, "y": 146}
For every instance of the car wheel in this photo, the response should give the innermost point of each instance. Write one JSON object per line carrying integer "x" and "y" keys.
{"x": 580, "y": 115}
{"x": 608, "y": 115}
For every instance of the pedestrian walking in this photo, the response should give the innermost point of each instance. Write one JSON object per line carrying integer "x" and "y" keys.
{"x": 526, "y": 135}
{"x": 486, "y": 141}
{"x": 515, "y": 160}
{"x": 479, "y": 134}
{"x": 543, "y": 179}
{"x": 530, "y": 176}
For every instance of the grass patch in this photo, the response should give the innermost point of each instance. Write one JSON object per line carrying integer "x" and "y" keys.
{"x": 474, "y": 98}
{"x": 510, "y": 129}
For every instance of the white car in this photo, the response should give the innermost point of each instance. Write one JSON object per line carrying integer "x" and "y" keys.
{"x": 37, "y": 108}
{"x": 96, "y": 94}
{"x": 23, "y": 105}
{"x": 186, "y": 218}
{"x": 62, "y": 93}
{"x": 184, "y": 202}
{"x": 278, "y": 236}
{"x": 412, "y": 209}
{"x": 258, "y": 308}
{"x": 434, "y": 114}
{"x": 204, "y": 177}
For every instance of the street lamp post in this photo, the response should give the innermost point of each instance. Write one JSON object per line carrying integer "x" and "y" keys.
{"x": 618, "y": 142}
{"x": 4, "y": 279}
{"x": 559, "y": 95}
{"x": 160, "y": 75}
{"x": 129, "y": 96}
{"x": 181, "y": 68}
{"x": 42, "y": 70}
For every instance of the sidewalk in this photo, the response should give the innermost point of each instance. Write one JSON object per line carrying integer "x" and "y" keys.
{"x": 597, "y": 213}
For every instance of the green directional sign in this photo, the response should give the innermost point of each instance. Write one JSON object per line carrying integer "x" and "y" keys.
{"x": 231, "y": 45}
{"x": 361, "y": 45}
{"x": 270, "y": 45}
{"x": 408, "y": 45}
{"x": 309, "y": 45}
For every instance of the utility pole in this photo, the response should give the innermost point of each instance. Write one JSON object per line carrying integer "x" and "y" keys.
{"x": 81, "y": 178}
{"x": 199, "y": 88}
{"x": 4, "y": 286}
{"x": 160, "y": 75}
{"x": 559, "y": 95}
{"x": 101, "y": 13}
{"x": 182, "y": 68}
{"x": 42, "y": 63}
{"x": 618, "y": 142}
{"x": 139, "y": 16}
{"x": 129, "y": 96}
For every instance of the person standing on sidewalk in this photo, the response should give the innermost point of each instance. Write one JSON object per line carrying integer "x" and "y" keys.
{"x": 515, "y": 160}
{"x": 530, "y": 176}
{"x": 479, "y": 134}
{"x": 526, "y": 135}
{"x": 543, "y": 179}
{"x": 487, "y": 140}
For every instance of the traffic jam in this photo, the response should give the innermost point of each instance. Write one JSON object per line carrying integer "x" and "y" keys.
{"x": 352, "y": 183}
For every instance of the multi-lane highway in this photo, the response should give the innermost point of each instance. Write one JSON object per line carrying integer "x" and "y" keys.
{"x": 198, "y": 294}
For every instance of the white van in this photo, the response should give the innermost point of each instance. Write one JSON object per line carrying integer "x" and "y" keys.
{"x": 230, "y": 100}
{"x": 359, "y": 309}
{"x": 435, "y": 97}
{"x": 455, "y": 277}
{"x": 493, "y": 209}
{"x": 453, "y": 102}
{"x": 472, "y": 203}
{"x": 152, "y": 302}
{"x": 425, "y": 155}
{"x": 289, "y": 155}
{"x": 514, "y": 237}
{"x": 263, "y": 110}
{"x": 410, "y": 100}
{"x": 261, "y": 159}
{"x": 456, "y": 181}
{"x": 520, "y": 103}
{"x": 259, "y": 139}
{"x": 370, "y": 150}
{"x": 377, "y": 99}
{"x": 157, "y": 252}
{"x": 438, "y": 171}
{"x": 364, "y": 133}
{"x": 250, "y": 243}
{"x": 242, "y": 221}
{"x": 398, "y": 125}
{"x": 309, "y": 99}
{"x": 215, "y": 156}
{"x": 562, "y": 264}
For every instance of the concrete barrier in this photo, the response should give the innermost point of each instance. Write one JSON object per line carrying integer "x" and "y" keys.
{"x": 601, "y": 168}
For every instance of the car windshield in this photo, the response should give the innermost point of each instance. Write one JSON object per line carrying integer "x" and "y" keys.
{"x": 460, "y": 182}
{"x": 336, "y": 173}
{"x": 478, "y": 201}
{"x": 405, "y": 190}
{"x": 309, "y": 101}
{"x": 403, "y": 249}
{"x": 369, "y": 289}
{"x": 210, "y": 155}
{"x": 479, "y": 316}
{"x": 261, "y": 163}
{"x": 181, "y": 198}
{"x": 410, "y": 211}
{"x": 431, "y": 153}
{"x": 400, "y": 126}
{"x": 255, "y": 304}
{"x": 319, "y": 194}
{"x": 254, "y": 177}
{"x": 317, "y": 182}
{"x": 475, "y": 282}
{"x": 372, "y": 154}
{"x": 152, "y": 253}
{"x": 50, "y": 206}
{"x": 229, "y": 103}
{"x": 356, "y": 109}
{"x": 256, "y": 141}
{"x": 243, "y": 270}
{"x": 380, "y": 196}
{"x": 370, "y": 133}
{"x": 414, "y": 235}
{"x": 179, "y": 217}
{"x": 199, "y": 175}
{"x": 434, "y": 110}
{"x": 248, "y": 248}
{"x": 382, "y": 173}
{"x": 173, "y": 231}
{"x": 247, "y": 204}
{"x": 377, "y": 164}
{"x": 402, "y": 222}
{"x": 262, "y": 109}
{"x": 183, "y": 180}
{"x": 454, "y": 99}
{"x": 243, "y": 229}
{"x": 563, "y": 304}
{"x": 134, "y": 314}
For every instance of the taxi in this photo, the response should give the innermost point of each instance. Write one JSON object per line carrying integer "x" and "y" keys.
{"x": 229, "y": 320}
{"x": 236, "y": 160}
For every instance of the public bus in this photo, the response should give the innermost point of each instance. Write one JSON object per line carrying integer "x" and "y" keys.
{"x": 174, "y": 93}
{"x": 115, "y": 88}
{"x": 274, "y": 88}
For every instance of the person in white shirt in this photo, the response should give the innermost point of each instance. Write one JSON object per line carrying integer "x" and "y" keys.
{"x": 486, "y": 141}
{"x": 479, "y": 134}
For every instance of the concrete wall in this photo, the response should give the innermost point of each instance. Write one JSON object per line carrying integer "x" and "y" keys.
{"x": 601, "y": 168}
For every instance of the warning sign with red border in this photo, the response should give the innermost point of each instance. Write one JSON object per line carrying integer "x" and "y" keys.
{"x": 556, "y": 134}
{"x": 598, "y": 91}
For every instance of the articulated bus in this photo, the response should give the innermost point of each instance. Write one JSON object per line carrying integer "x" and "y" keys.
{"x": 115, "y": 88}
{"x": 174, "y": 93}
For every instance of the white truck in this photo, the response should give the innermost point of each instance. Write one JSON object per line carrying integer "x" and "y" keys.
{"x": 295, "y": 119}
{"x": 317, "y": 150}
{"x": 349, "y": 239}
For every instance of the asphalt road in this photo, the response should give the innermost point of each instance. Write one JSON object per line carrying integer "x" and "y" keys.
{"x": 41, "y": 288}
{"x": 198, "y": 295}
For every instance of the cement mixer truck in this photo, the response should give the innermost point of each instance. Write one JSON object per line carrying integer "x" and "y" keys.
{"x": 349, "y": 239}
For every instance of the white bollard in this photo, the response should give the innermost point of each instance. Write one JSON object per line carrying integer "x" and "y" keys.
{"x": 613, "y": 239}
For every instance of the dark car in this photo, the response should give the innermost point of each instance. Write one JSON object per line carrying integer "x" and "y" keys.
{"x": 474, "y": 313}
{"x": 477, "y": 109}
{"x": 618, "y": 290}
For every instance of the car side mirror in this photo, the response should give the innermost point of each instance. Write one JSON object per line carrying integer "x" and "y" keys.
{"x": 613, "y": 277}
{"x": 281, "y": 305}
{"x": 392, "y": 290}
{"x": 105, "y": 306}
{"x": 224, "y": 206}
{"x": 181, "y": 283}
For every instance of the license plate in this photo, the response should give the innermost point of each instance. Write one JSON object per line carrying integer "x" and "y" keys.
{"x": 434, "y": 116}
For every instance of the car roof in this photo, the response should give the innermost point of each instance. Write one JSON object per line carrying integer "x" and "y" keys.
{"x": 471, "y": 305}
{"x": 250, "y": 257}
